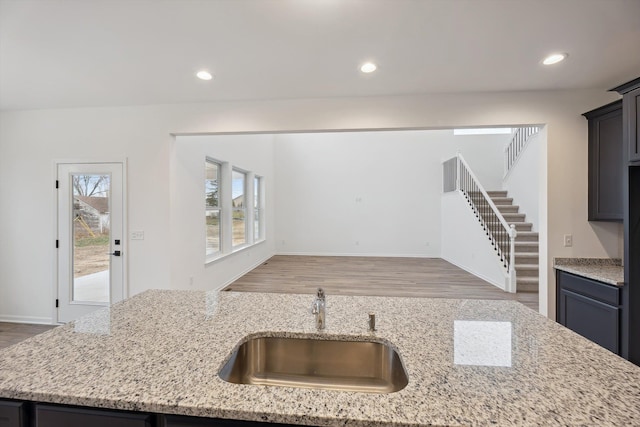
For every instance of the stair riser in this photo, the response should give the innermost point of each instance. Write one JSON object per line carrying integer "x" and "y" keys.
{"x": 526, "y": 259}
{"x": 519, "y": 227}
{"x": 526, "y": 288}
{"x": 526, "y": 273}
{"x": 502, "y": 200}
{"x": 526, "y": 246}
{"x": 522, "y": 238}
{"x": 497, "y": 193}
{"x": 514, "y": 218}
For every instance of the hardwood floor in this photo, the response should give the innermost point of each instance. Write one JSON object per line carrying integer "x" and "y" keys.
{"x": 406, "y": 277}
{"x": 13, "y": 333}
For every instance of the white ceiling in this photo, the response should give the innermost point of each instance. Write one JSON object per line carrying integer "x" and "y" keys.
{"x": 73, "y": 53}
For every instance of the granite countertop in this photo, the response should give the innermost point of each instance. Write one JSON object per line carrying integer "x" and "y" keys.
{"x": 607, "y": 270}
{"x": 469, "y": 362}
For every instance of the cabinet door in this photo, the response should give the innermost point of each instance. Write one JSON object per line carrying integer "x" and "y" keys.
{"x": 12, "y": 414}
{"x": 631, "y": 102}
{"x": 57, "y": 416}
{"x": 605, "y": 165}
{"x": 592, "y": 319}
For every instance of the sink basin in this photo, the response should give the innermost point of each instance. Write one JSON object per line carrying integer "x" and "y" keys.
{"x": 364, "y": 366}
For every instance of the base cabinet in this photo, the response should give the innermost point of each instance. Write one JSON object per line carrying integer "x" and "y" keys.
{"x": 13, "y": 414}
{"x": 589, "y": 308}
{"x": 58, "y": 416}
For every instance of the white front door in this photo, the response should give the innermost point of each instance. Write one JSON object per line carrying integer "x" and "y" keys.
{"x": 90, "y": 237}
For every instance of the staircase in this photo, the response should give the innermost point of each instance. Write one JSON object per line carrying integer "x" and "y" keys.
{"x": 526, "y": 244}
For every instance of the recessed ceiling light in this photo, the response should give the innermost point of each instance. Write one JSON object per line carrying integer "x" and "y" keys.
{"x": 555, "y": 58}
{"x": 368, "y": 67}
{"x": 204, "y": 75}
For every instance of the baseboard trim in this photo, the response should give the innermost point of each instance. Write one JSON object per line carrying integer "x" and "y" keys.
{"x": 480, "y": 276}
{"x": 239, "y": 275}
{"x": 357, "y": 255}
{"x": 9, "y": 318}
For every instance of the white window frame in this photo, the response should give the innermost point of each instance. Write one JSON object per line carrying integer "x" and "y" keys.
{"x": 258, "y": 208}
{"x": 243, "y": 209}
{"x": 220, "y": 166}
{"x": 226, "y": 210}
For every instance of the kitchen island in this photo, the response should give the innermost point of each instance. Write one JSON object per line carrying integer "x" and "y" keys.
{"x": 469, "y": 362}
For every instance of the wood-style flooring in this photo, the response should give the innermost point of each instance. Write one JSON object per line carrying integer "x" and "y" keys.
{"x": 402, "y": 277}
{"x": 13, "y": 333}
{"x": 372, "y": 276}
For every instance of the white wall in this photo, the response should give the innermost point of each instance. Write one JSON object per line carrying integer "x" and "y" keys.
{"x": 248, "y": 152}
{"x": 484, "y": 155}
{"x": 31, "y": 140}
{"x": 522, "y": 182}
{"x": 465, "y": 244}
{"x": 370, "y": 193}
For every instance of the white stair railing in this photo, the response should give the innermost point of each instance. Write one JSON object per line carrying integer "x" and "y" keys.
{"x": 501, "y": 235}
{"x": 517, "y": 145}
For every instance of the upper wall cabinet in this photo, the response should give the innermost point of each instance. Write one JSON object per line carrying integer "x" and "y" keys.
{"x": 631, "y": 105}
{"x": 605, "y": 162}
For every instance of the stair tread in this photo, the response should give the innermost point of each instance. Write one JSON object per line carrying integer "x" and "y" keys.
{"x": 527, "y": 267}
{"x": 526, "y": 280}
{"x": 527, "y": 253}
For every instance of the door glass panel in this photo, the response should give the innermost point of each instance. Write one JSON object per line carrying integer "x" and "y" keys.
{"x": 91, "y": 237}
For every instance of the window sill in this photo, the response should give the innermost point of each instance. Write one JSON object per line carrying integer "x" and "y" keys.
{"x": 237, "y": 249}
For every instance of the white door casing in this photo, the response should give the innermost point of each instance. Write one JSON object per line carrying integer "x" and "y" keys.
{"x": 87, "y": 281}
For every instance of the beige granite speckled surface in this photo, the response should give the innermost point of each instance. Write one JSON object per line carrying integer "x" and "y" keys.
{"x": 607, "y": 270}
{"x": 469, "y": 362}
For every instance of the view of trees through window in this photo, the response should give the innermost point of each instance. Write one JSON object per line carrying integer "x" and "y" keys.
{"x": 238, "y": 185}
{"x": 234, "y": 211}
{"x": 91, "y": 227}
{"x": 212, "y": 211}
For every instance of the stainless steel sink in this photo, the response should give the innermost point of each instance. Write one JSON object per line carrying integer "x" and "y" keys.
{"x": 364, "y": 366}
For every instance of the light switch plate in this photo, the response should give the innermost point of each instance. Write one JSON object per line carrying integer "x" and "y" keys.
{"x": 137, "y": 235}
{"x": 568, "y": 240}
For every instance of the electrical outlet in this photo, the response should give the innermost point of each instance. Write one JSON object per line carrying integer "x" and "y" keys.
{"x": 137, "y": 235}
{"x": 568, "y": 240}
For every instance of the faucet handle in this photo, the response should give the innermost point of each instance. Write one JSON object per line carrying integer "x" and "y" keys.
{"x": 372, "y": 321}
{"x": 320, "y": 293}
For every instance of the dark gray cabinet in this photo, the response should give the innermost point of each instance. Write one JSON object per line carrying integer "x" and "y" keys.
{"x": 63, "y": 416}
{"x": 12, "y": 414}
{"x": 630, "y": 324}
{"x": 632, "y": 100}
{"x": 605, "y": 163}
{"x": 590, "y": 308}
{"x": 630, "y": 92}
{"x": 32, "y": 414}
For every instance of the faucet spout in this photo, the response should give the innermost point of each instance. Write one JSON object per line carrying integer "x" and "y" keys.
{"x": 318, "y": 308}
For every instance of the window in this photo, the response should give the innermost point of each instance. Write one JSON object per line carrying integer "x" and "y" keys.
{"x": 257, "y": 208}
{"x": 239, "y": 207}
{"x": 212, "y": 181}
{"x": 234, "y": 209}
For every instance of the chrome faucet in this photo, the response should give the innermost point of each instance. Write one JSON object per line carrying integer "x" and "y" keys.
{"x": 319, "y": 309}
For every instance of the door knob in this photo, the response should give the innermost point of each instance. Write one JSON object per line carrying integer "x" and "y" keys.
{"x": 115, "y": 253}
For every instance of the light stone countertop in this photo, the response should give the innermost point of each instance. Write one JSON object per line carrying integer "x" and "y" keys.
{"x": 607, "y": 270}
{"x": 469, "y": 362}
